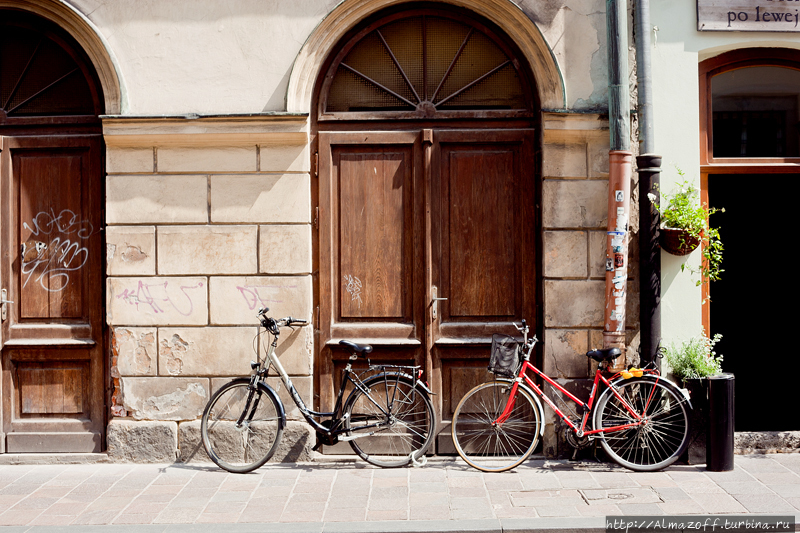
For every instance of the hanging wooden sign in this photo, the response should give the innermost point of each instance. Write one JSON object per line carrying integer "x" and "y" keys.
{"x": 748, "y": 15}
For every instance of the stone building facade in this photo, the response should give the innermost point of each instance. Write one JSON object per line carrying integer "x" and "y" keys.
{"x": 210, "y": 121}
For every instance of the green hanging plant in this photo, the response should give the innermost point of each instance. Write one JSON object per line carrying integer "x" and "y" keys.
{"x": 683, "y": 211}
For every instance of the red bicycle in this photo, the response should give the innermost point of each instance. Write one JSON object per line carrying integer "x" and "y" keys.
{"x": 641, "y": 419}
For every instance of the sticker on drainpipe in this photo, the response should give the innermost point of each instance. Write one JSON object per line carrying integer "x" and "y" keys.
{"x": 619, "y": 196}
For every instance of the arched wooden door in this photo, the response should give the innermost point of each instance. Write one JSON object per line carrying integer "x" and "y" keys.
{"x": 427, "y": 198}
{"x": 51, "y": 273}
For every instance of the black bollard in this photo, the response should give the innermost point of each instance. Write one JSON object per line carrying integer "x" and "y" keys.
{"x": 719, "y": 443}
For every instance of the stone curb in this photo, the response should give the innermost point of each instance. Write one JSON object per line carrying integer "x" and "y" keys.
{"x": 508, "y": 525}
{"x": 516, "y": 525}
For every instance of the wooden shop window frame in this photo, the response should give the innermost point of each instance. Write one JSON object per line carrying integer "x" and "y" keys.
{"x": 737, "y": 59}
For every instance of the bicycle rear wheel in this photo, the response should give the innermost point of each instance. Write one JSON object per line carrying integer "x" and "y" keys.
{"x": 394, "y": 424}
{"x": 493, "y": 447}
{"x": 655, "y": 444}
{"x": 241, "y": 427}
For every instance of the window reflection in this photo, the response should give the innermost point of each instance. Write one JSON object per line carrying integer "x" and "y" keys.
{"x": 755, "y": 112}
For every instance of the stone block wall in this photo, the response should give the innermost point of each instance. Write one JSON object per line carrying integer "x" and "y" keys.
{"x": 207, "y": 220}
{"x": 210, "y": 219}
{"x": 574, "y": 222}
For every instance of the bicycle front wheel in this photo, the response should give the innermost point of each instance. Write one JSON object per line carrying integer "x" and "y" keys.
{"x": 241, "y": 427}
{"x": 656, "y": 443}
{"x": 490, "y": 446}
{"x": 394, "y": 424}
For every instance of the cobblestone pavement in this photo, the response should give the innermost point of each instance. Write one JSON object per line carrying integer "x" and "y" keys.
{"x": 350, "y": 493}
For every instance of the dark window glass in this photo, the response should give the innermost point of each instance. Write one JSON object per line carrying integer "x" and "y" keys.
{"x": 755, "y": 112}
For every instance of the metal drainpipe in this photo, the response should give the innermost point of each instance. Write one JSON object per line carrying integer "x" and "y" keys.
{"x": 619, "y": 178}
{"x": 649, "y": 168}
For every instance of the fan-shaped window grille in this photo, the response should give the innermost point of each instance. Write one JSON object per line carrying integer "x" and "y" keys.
{"x": 40, "y": 75}
{"x": 425, "y": 63}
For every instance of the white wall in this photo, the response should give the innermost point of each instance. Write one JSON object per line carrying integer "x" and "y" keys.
{"x": 677, "y": 51}
{"x": 221, "y": 57}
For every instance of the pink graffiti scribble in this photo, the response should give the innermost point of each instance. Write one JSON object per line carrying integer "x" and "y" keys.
{"x": 157, "y": 294}
{"x": 255, "y": 297}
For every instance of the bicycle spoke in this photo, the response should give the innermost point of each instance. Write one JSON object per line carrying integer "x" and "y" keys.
{"x": 241, "y": 446}
{"x": 658, "y": 438}
{"x": 492, "y": 446}
{"x": 403, "y": 427}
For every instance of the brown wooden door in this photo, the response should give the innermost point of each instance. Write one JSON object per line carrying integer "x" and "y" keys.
{"x": 52, "y": 359}
{"x": 406, "y": 217}
{"x": 370, "y": 225}
{"x": 483, "y": 254}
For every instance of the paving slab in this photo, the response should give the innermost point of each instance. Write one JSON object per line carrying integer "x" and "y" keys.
{"x": 346, "y": 495}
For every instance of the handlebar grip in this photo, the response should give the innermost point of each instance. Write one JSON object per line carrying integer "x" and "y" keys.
{"x": 297, "y": 322}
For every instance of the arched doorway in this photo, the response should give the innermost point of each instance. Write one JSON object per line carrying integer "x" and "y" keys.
{"x": 52, "y": 277}
{"x": 424, "y": 125}
{"x": 750, "y": 166}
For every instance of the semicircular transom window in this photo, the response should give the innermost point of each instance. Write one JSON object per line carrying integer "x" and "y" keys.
{"x": 41, "y": 76}
{"x": 427, "y": 64}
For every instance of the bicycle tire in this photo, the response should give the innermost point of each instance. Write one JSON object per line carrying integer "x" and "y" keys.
{"x": 488, "y": 446}
{"x": 235, "y": 447}
{"x": 654, "y": 445}
{"x": 403, "y": 410}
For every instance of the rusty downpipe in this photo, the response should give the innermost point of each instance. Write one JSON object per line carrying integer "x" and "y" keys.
{"x": 619, "y": 178}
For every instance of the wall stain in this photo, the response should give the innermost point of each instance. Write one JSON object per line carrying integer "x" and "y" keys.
{"x": 173, "y": 350}
{"x": 133, "y": 254}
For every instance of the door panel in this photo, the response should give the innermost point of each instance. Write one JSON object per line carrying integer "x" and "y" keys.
{"x": 374, "y": 189}
{"x": 478, "y": 187}
{"x": 53, "y": 267}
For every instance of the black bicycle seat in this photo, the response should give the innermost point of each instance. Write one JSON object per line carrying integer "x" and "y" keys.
{"x": 605, "y": 354}
{"x": 357, "y": 348}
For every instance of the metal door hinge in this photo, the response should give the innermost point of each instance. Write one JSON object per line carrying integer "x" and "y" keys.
{"x": 316, "y": 164}
{"x": 3, "y": 304}
{"x": 316, "y": 217}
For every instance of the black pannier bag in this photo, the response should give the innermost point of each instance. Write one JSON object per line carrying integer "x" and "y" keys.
{"x": 505, "y": 359}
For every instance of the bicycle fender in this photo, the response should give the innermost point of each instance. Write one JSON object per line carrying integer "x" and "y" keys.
{"x": 419, "y": 383}
{"x": 535, "y": 400}
{"x": 271, "y": 392}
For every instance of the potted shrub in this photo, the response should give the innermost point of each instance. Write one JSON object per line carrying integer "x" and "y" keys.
{"x": 691, "y": 363}
{"x": 684, "y": 226}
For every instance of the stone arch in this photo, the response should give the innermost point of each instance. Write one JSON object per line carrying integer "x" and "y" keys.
{"x": 509, "y": 17}
{"x": 89, "y": 38}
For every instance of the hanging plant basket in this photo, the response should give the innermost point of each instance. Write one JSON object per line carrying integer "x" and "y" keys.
{"x": 678, "y": 241}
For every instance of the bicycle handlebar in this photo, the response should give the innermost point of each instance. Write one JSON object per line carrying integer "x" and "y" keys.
{"x": 281, "y": 322}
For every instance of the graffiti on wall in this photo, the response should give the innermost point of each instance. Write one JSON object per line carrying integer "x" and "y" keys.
{"x": 55, "y": 248}
{"x": 159, "y": 296}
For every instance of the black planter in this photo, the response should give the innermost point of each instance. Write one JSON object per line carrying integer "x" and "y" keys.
{"x": 719, "y": 454}
{"x": 698, "y": 422}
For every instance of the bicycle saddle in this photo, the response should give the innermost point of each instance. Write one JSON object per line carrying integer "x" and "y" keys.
{"x": 358, "y": 348}
{"x": 604, "y": 355}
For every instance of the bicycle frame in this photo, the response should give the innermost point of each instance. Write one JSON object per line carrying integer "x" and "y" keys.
{"x": 337, "y": 427}
{"x": 585, "y": 407}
